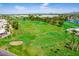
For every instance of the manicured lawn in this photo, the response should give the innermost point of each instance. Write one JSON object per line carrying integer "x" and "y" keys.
{"x": 39, "y": 38}
{"x": 70, "y": 25}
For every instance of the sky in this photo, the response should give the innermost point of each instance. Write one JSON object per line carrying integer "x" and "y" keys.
{"x": 30, "y": 8}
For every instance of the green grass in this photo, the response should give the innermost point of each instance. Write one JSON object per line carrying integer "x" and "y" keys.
{"x": 70, "y": 25}
{"x": 39, "y": 38}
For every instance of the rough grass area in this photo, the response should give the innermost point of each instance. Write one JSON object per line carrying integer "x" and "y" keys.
{"x": 39, "y": 38}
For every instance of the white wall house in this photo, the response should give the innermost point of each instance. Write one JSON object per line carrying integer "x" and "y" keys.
{"x": 3, "y": 23}
{"x": 71, "y": 29}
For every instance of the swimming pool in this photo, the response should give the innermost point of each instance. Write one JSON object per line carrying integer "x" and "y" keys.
{"x": 74, "y": 21}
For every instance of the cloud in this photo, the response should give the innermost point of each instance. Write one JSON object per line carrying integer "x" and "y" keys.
{"x": 20, "y": 8}
{"x": 44, "y": 6}
{"x": 47, "y": 9}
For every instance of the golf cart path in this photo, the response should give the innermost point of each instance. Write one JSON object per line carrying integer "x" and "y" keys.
{"x": 6, "y": 53}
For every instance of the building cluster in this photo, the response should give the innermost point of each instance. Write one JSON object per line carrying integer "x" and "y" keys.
{"x": 70, "y": 30}
{"x": 3, "y": 24}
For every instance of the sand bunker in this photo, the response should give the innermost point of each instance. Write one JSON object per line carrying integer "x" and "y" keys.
{"x": 16, "y": 43}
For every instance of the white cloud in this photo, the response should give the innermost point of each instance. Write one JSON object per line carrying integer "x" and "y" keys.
{"x": 44, "y": 6}
{"x": 20, "y": 8}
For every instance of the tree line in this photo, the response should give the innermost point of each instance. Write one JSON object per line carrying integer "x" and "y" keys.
{"x": 57, "y": 20}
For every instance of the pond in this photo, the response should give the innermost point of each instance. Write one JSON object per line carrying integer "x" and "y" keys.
{"x": 74, "y": 21}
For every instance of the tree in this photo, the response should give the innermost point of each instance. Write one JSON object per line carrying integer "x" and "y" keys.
{"x": 57, "y": 21}
{"x": 53, "y": 20}
{"x": 31, "y": 17}
{"x": 15, "y": 24}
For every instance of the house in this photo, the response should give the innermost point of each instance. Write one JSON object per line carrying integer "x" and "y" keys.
{"x": 3, "y": 23}
{"x": 71, "y": 29}
{"x": 73, "y": 19}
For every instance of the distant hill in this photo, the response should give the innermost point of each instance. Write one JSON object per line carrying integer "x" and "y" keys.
{"x": 73, "y": 13}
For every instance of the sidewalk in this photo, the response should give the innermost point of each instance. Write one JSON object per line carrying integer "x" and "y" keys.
{"x": 6, "y": 53}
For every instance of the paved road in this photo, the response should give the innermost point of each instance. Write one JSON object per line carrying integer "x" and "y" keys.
{"x": 5, "y": 53}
